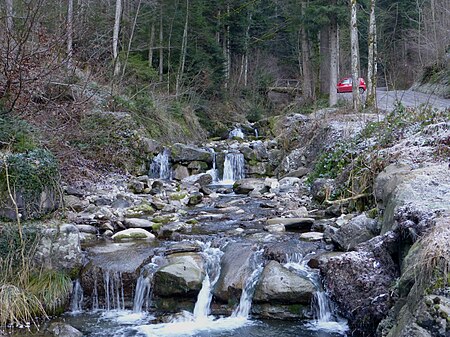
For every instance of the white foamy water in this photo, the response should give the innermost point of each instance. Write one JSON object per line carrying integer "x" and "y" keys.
{"x": 188, "y": 324}
{"x": 191, "y": 328}
{"x": 233, "y": 168}
{"x": 127, "y": 317}
{"x": 236, "y": 133}
{"x": 323, "y": 309}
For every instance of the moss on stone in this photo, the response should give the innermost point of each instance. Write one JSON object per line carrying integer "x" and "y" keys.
{"x": 177, "y": 196}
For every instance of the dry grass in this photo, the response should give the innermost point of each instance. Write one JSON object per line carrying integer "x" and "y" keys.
{"x": 432, "y": 267}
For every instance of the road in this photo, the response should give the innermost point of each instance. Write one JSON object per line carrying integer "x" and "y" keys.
{"x": 386, "y": 99}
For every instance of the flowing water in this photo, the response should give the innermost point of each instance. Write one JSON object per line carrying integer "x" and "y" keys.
{"x": 233, "y": 168}
{"x": 214, "y": 172}
{"x": 160, "y": 167}
{"x": 325, "y": 317}
{"x": 76, "y": 301}
{"x": 236, "y": 133}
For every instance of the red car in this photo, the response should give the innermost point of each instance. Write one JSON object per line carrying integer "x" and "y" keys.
{"x": 345, "y": 85}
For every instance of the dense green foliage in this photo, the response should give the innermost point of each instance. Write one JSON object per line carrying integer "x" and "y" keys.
{"x": 16, "y": 134}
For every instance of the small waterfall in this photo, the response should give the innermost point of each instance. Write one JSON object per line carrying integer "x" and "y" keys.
{"x": 236, "y": 133}
{"x": 76, "y": 301}
{"x": 233, "y": 168}
{"x": 323, "y": 309}
{"x": 160, "y": 167}
{"x": 214, "y": 173}
{"x": 114, "y": 297}
{"x": 256, "y": 133}
{"x": 113, "y": 292}
{"x": 142, "y": 293}
{"x": 245, "y": 303}
{"x": 212, "y": 258}
{"x": 143, "y": 290}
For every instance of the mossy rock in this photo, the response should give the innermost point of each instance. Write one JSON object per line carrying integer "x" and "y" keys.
{"x": 141, "y": 209}
{"x": 163, "y": 220}
{"x": 35, "y": 181}
{"x": 178, "y": 196}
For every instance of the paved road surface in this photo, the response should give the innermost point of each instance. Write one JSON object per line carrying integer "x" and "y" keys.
{"x": 386, "y": 99}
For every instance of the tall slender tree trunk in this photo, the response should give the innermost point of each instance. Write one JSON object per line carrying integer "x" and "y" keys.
{"x": 244, "y": 60}
{"x": 183, "y": 52}
{"x": 307, "y": 83}
{"x": 324, "y": 69}
{"x": 227, "y": 51}
{"x": 130, "y": 40}
{"x": 161, "y": 50}
{"x": 355, "y": 56}
{"x": 9, "y": 16}
{"x": 151, "y": 43}
{"x": 69, "y": 33}
{"x": 116, "y": 37}
{"x": 334, "y": 57}
{"x": 372, "y": 61}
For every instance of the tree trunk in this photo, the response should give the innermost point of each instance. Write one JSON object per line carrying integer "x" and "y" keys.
{"x": 130, "y": 41}
{"x": 151, "y": 45}
{"x": 334, "y": 56}
{"x": 307, "y": 83}
{"x": 183, "y": 52}
{"x": 161, "y": 50}
{"x": 227, "y": 51}
{"x": 69, "y": 33}
{"x": 116, "y": 37}
{"x": 9, "y": 16}
{"x": 371, "y": 72}
{"x": 324, "y": 70}
{"x": 355, "y": 56}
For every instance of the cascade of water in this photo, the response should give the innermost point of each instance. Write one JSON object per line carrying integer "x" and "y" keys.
{"x": 236, "y": 133}
{"x": 76, "y": 301}
{"x": 114, "y": 293}
{"x": 94, "y": 295}
{"x": 213, "y": 172}
{"x": 143, "y": 290}
{"x": 160, "y": 167}
{"x": 245, "y": 303}
{"x": 142, "y": 293}
{"x": 212, "y": 258}
{"x": 323, "y": 308}
{"x": 233, "y": 168}
{"x": 256, "y": 133}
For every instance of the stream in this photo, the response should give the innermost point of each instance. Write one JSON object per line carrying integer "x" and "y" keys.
{"x": 121, "y": 303}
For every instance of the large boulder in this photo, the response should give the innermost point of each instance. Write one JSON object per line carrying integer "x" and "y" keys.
{"x": 245, "y": 186}
{"x": 60, "y": 248}
{"x": 425, "y": 189}
{"x": 356, "y": 231}
{"x": 360, "y": 284}
{"x": 182, "y": 153}
{"x": 279, "y": 284}
{"x": 133, "y": 234}
{"x": 236, "y": 267}
{"x": 182, "y": 276}
{"x": 113, "y": 268}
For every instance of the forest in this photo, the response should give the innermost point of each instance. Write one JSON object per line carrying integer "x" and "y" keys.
{"x": 207, "y": 53}
{"x": 189, "y": 166}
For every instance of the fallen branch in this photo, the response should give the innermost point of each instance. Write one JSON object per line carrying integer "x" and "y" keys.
{"x": 341, "y": 201}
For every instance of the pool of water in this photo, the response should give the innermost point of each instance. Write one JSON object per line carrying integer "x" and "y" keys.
{"x": 129, "y": 324}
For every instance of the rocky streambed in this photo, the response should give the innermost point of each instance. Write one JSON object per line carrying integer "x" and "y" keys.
{"x": 189, "y": 255}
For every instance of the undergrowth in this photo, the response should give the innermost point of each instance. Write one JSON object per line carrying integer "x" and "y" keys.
{"x": 30, "y": 174}
{"x": 355, "y": 163}
{"x": 27, "y": 292}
